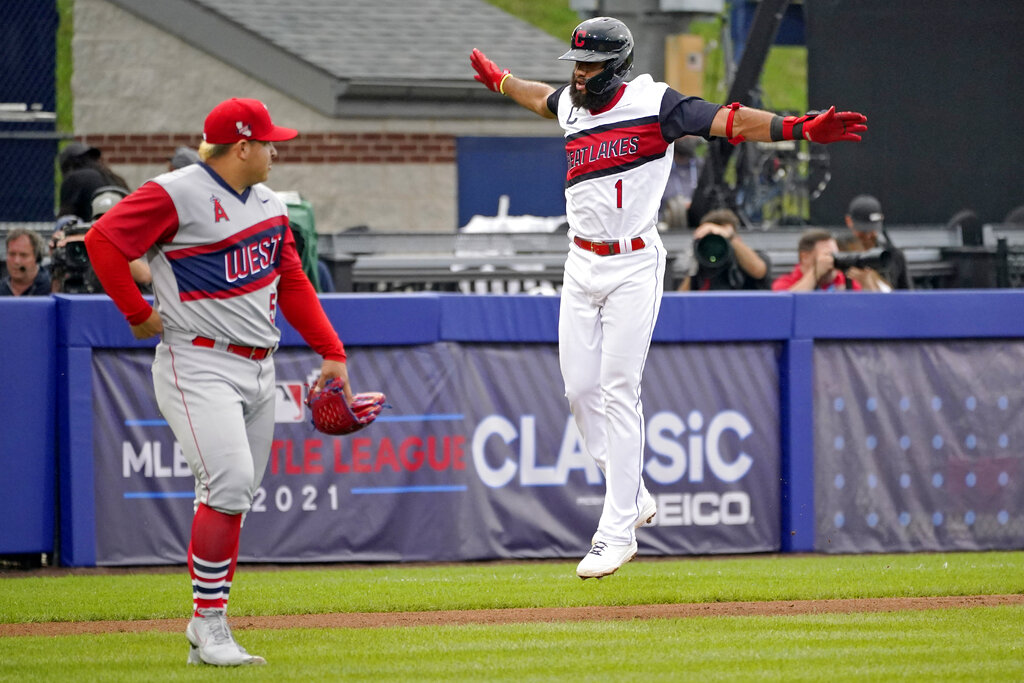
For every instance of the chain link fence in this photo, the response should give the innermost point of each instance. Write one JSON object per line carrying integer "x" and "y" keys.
{"x": 28, "y": 120}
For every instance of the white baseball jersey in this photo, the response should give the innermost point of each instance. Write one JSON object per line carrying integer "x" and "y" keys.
{"x": 619, "y": 160}
{"x": 620, "y": 156}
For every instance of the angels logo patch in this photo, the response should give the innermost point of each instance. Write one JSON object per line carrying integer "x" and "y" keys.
{"x": 218, "y": 210}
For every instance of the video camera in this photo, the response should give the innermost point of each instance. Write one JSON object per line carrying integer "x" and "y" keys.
{"x": 70, "y": 266}
{"x": 713, "y": 252}
{"x": 878, "y": 258}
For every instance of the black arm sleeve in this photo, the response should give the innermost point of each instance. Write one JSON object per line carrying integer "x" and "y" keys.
{"x": 685, "y": 115}
{"x": 764, "y": 282}
{"x": 553, "y": 100}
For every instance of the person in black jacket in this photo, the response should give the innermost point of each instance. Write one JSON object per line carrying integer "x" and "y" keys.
{"x": 865, "y": 219}
{"x": 84, "y": 171}
{"x": 722, "y": 260}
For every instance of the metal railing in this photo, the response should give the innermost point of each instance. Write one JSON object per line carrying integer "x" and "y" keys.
{"x": 368, "y": 261}
{"x": 533, "y": 262}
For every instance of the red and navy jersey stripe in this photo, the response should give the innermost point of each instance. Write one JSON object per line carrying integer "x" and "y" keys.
{"x": 616, "y": 147}
{"x": 619, "y": 158}
{"x": 243, "y": 263}
{"x": 613, "y": 148}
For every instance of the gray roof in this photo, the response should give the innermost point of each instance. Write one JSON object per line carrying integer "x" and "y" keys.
{"x": 353, "y": 57}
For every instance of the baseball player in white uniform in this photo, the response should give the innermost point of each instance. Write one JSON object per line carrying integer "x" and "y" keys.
{"x": 223, "y": 260}
{"x": 618, "y": 143}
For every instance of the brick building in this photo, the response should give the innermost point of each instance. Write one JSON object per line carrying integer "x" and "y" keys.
{"x": 380, "y": 92}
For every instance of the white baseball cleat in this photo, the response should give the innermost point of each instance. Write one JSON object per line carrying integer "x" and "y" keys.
{"x": 648, "y": 509}
{"x": 212, "y": 643}
{"x": 604, "y": 558}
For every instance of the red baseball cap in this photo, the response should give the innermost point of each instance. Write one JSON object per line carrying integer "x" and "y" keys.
{"x": 243, "y": 119}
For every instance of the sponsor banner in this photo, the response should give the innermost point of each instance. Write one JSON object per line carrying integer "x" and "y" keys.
{"x": 476, "y": 457}
{"x": 918, "y": 446}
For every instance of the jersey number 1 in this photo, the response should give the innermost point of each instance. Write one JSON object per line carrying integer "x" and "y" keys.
{"x": 618, "y": 193}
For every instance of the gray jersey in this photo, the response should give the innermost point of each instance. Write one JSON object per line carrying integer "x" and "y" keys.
{"x": 217, "y": 277}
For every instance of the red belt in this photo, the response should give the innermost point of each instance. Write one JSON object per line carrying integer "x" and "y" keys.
{"x": 607, "y": 248}
{"x": 251, "y": 352}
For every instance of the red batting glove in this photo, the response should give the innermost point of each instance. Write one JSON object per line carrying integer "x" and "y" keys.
{"x": 488, "y": 72}
{"x": 833, "y": 127}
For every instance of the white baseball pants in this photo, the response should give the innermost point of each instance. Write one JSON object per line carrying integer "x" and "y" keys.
{"x": 609, "y": 305}
{"x": 221, "y": 409}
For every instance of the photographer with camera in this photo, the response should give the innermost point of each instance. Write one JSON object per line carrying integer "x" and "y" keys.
{"x": 721, "y": 259}
{"x": 69, "y": 260}
{"x": 864, "y": 219}
{"x": 25, "y": 274}
{"x": 822, "y": 268}
{"x": 72, "y": 271}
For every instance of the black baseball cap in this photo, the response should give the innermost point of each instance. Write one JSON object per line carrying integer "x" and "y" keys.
{"x": 866, "y": 212}
{"x": 77, "y": 149}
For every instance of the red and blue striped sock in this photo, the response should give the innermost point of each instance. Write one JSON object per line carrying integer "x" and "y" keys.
{"x": 212, "y": 555}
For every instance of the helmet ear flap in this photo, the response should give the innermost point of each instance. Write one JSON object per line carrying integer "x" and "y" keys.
{"x": 602, "y": 82}
{"x": 611, "y": 76}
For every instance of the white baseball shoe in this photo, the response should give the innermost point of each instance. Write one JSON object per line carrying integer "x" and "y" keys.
{"x": 648, "y": 509}
{"x": 604, "y": 558}
{"x": 212, "y": 643}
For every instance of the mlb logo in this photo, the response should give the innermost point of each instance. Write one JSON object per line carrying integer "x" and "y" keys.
{"x": 290, "y": 405}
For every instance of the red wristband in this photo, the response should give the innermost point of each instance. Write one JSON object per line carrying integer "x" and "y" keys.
{"x": 728, "y": 125}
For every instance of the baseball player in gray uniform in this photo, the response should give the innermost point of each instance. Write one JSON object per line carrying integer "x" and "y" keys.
{"x": 618, "y": 143}
{"x": 223, "y": 260}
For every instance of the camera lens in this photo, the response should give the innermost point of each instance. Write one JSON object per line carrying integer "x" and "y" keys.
{"x": 77, "y": 254}
{"x": 878, "y": 258}
{"x": 713, "y": 251}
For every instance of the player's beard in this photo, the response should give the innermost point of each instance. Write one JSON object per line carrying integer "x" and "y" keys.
{"x": 588, "y": 100}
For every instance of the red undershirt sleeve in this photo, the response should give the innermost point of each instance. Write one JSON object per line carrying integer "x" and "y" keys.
{"x": 111, "y": 267}
{"x": 299, "y": 304}
{"x": 140, "y": 220}
{"x": 125, "y": 233}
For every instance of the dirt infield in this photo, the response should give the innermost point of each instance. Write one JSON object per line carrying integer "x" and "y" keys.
{"x": 526, "y": 615}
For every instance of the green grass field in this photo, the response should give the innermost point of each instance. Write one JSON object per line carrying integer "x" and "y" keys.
{"x": 979, "y": 643}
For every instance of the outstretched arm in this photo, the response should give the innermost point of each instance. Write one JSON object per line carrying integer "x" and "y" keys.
{"x": 738, "y": 123}
{"x": 532, "y": 95}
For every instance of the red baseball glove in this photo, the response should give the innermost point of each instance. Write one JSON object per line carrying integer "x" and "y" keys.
{"x": 332, "y": 414}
